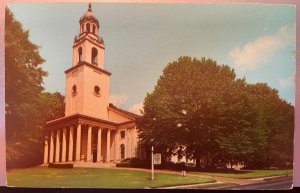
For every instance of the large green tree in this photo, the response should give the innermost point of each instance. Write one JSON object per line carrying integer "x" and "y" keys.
{"x": 200, "y": 109}
{"x": 274, "y": 127}
{"x": 23, "y": 76}
{"x": 196, "y": 107}
{"x": 27, "y": 106}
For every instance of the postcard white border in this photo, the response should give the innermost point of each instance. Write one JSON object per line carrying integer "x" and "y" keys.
{"x": 2, "y": 70}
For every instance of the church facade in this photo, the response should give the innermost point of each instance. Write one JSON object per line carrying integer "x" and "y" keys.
{"x": 92, "y": 130}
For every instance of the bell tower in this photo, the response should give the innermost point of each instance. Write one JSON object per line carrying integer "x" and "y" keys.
{"x": 88, "y": 45}
{"x": 87, "y": 89}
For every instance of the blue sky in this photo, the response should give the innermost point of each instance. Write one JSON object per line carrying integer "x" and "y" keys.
{"x": 258, "y": 41}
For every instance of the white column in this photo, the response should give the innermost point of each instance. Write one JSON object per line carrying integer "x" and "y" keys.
{"x": 89, "y": 143}
{"x": 108, "y": 146}
{"x": 112, "y": 149}
{"x": 71, "y": 143}
{"x": 46, "y": 151}
{"x": 132, "y": 143}
{"x": 57, "y": 146}
{"x": 116, "y": 139}
{"x": 99, "y": 145}
{"x": 78, "y": 142}
{"x": 64, "y": 145}
{"x": 135, "y": 146}
{"x": 128, "y": 143}
{"x": 51, "y": 156}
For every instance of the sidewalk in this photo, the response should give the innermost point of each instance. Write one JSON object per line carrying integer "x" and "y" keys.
{"x": 192, "y": 186}
{"x": 227, "y": 182}
{"x": 249, "y": 180}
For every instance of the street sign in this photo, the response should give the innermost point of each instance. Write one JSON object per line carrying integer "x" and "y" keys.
{"x": 157, "y": 158}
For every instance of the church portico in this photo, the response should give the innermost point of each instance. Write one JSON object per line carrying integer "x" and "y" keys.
{"x": 89, "y": 142}
{"x": 79, "y": 138}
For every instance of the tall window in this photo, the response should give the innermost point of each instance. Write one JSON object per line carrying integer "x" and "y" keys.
{"x": 88, "y": 27}
{"x": 81, "y": 28}
{"x": 94, "y": 56}
{"x": 94, "y": 29}
{"x": 122, "y": 134}
{"x": 80, "y": 54}
{"x": 122, "y": 150}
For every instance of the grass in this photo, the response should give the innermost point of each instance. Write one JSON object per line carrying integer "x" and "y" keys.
{"x": 96, "y": 178}
{"x": 247, "y": 174}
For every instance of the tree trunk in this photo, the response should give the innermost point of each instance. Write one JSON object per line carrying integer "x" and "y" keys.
{"x": 198, "y": 165}
{"x": 207, "y": 163}
{"x": 268, "y": 163}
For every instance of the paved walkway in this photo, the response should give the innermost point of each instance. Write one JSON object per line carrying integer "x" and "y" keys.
{"x": 192, "y": 186}
{"x": 222, "y": 181}
{"x": 234, "y": 180}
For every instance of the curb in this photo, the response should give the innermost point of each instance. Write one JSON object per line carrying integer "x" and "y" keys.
{"x": 190, "y": 185}
{"x": 270, "y": 178}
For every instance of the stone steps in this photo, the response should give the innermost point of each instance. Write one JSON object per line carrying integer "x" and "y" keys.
{"x": 94, "y": 165}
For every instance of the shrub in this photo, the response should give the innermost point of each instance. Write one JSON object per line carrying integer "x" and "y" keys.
{"x": 51, "y": 165}
{"x": 133, "y": 163}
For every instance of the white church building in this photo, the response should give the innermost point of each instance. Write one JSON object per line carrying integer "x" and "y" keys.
{"x": 93, "y": 131}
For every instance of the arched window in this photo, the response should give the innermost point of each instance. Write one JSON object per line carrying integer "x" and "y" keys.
{"x": 122, "y": 150}
{"x": 79, "y": 54}
{"x": 94, "y": 29}
{"x": 94, "y": 56}
{"x": 88, "y": 27}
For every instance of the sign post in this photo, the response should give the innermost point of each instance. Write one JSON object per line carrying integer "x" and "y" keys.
{"x": 152, "y": 163}
{"x": 155, "y": 160}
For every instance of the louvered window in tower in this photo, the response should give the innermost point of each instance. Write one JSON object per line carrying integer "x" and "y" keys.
{"x": 80, "y": 54}
{"x": 94, "y": 56}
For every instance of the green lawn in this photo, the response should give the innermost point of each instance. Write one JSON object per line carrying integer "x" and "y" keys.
{"x": 246, "y": 174}
{"x": 95, "y": 178}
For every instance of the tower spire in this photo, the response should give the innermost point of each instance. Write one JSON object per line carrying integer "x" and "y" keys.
{"x": 90, "y": 7}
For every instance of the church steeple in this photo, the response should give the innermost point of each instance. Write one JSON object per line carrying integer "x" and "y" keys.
{"x": 87, "y": 89}
{"x": 88, "y": 45}
{"x": 90, "y": 7}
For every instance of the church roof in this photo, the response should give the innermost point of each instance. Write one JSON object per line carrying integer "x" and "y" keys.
{"x": 130, "y": 114}
{"x": 82, "y": 63}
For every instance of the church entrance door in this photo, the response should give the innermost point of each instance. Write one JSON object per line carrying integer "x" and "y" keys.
{"x": 94, "y": 155}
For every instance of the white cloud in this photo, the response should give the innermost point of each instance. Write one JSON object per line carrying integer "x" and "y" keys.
{"x": 136, "y": 108}
{"x": 118, "y": 100}
{"x": 262, "y": 49}
{"x": 288, "y": 81}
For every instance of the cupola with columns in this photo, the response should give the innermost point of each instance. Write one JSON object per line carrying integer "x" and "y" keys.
{"x": 88, "y": 45}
